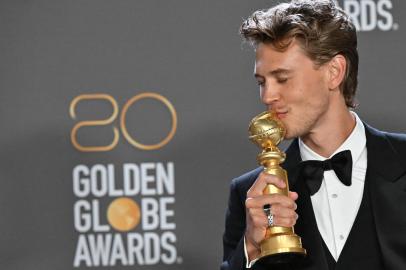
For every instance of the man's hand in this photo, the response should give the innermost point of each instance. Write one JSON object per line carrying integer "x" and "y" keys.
{"x": 282, "y": 208}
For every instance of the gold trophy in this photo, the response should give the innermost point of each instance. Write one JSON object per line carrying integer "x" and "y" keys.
{"x": 281, "y": 244}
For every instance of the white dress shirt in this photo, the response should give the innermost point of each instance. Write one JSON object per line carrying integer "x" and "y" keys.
{"x": 335, "y": 205}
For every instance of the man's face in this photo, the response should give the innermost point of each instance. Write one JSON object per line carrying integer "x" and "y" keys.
{"x": 293, "y": 87}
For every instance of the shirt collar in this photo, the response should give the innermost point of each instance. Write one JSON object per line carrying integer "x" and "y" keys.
{"x": 356, "y": 143}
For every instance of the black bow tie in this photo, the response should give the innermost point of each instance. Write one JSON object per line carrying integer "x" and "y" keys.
{"x": 312, "y": 170}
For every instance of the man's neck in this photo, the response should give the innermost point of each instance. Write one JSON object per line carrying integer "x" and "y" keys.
{"x": 330, "y": 133}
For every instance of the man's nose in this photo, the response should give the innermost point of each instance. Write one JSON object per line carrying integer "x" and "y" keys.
{"x": 269, "y": 94}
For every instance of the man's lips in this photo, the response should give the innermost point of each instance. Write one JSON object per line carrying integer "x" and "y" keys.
{"x": 281, "y": 115}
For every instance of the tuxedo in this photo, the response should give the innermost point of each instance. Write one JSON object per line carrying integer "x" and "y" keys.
{"x": 379, "y": 230}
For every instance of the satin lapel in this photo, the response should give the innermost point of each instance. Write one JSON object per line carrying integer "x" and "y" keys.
{"x": 306, "y": 226}
{"x": 387, "y": 179}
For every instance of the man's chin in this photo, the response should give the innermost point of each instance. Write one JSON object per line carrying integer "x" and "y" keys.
{"x": 289, "y": 137}
{"x": 291, "y": 134}
{"x": 293, "y": 131}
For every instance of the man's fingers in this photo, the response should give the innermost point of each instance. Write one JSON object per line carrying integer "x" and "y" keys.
{"x": 293, "y": 195}
{"x": 259, "y": 220}
{"x": 261, "y": 182}
{"x": 279, "y": 211}
{"x": 276, "y": 210}
{"x": 260, "y": 201}
{"x": 284, "y": 222}
{"x": 256, "y": 212}
{"x": 285, "y": 217}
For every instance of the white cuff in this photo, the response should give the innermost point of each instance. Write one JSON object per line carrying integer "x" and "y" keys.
{"x": 248, "y": 264}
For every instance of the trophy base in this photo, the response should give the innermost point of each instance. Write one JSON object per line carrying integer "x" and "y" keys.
{"x": 279, "y": 258}
{"x": 279, "y": 249}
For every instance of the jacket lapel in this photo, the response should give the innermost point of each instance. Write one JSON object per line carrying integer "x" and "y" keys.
{"x": 388, "y": 197}
{"x": 306, "y": 226}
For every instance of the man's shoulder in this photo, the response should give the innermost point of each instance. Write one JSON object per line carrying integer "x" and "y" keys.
{"x": 397, "y": 140}
{"x": 391, "y": 143}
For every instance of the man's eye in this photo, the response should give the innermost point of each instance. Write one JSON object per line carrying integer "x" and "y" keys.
{"x": 282, "y": 80}
{"x": 260, "y": 83}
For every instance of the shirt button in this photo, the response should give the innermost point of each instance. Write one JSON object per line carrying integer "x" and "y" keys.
{"x": 334, "y": 195}
{"x": 341, "y": 237}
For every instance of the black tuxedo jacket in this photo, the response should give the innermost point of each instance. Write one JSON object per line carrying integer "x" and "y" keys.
{"x": 386, "y": 176}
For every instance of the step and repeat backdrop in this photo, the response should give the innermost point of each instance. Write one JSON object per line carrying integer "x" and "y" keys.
{"x": 123, "y": 123}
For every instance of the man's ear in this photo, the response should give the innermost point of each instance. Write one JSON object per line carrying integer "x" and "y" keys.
{"x": 337, "y": 68}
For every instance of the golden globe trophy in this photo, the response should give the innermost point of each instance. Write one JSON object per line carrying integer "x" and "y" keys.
{"x": 281, "y": 244}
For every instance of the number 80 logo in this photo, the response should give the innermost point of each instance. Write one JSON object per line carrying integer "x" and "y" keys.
{"x": 123, "y": 125}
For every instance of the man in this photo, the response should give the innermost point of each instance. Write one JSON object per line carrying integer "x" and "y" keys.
{"x": 306, "y": 67}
